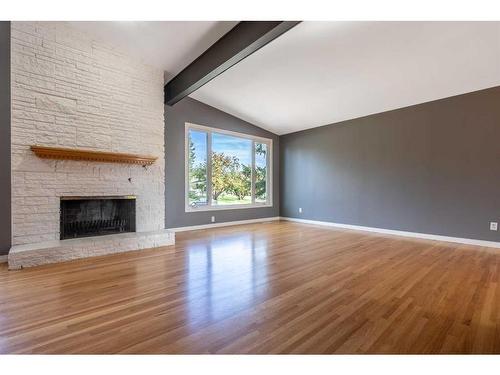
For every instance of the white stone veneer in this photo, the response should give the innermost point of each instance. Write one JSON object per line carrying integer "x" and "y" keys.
{"x": 69, "y": 90}
{"x": 22, "y": 256}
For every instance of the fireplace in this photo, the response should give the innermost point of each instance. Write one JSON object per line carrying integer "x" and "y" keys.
{"x": 96, "y": 216}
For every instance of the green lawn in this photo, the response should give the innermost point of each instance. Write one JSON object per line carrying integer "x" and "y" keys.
{"x": 233, "y": 199}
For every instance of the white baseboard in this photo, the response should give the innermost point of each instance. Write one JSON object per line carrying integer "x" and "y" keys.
{"x": 468, "y": 241}
{"x": 3, "y": 258}
{"x": 225, "y": 224}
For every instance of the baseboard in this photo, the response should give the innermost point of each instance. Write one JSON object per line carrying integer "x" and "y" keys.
{"x": 468, "y": 241}
{"x": 3, "y": 258}
{"x": 225, "y": 224}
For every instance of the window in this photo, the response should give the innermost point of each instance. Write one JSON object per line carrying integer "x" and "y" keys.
{"x": 237, "y": 174}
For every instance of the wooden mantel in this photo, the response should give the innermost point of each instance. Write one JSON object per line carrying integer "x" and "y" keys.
{"x": 89, "y": 155}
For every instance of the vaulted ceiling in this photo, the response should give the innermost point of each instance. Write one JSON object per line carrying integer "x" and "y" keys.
{"x": 323, "y": 72}
{"x": 168, "y": 45}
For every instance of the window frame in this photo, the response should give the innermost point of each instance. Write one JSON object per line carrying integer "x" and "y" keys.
{"x": 209, "y": 207}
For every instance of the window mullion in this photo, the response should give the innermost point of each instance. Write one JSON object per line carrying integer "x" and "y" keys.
{"x": 209, "y": 169}
{"x": 268, "y": 173}
{"x": 253, "y": 173}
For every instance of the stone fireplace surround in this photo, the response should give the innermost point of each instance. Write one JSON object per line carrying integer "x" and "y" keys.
{"x": 71, "y": 91}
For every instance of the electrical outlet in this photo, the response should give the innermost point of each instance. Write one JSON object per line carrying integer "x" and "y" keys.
{"x": 300, "y": 210}
{"x": 493, "y": 225}
{"x": 213, "y": 219}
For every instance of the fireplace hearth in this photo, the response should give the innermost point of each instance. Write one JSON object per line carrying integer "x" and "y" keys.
{"x": 96, "y": 216}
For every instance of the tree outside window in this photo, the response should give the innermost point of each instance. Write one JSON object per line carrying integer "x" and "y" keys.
{"x": 238, "y": 169}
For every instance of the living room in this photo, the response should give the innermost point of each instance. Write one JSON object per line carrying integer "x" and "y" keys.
{"x": 249, "y": 186}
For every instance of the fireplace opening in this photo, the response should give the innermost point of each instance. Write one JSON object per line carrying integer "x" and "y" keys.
{"x": 96, "y": 216}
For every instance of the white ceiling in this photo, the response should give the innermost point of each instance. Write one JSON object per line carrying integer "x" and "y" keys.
{"x": 324, "y": 72}
{"x": 168, "y": 45}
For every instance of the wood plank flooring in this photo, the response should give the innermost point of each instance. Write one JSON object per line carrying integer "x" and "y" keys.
{"x": 277, "y": 287}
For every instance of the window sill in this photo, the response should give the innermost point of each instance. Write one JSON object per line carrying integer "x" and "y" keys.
{"x": 227, "y": 207}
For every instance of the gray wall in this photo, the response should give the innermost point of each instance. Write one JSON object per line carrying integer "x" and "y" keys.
{"x": 430, "y": 168}
{"x": 193, "y": 111}
{"x": 5, "y": 225}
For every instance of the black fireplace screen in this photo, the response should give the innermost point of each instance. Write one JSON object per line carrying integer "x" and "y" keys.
{"x": 96, "y": 216}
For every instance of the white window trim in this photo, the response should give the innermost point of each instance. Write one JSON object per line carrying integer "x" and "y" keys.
{"x": 209, "y": 207}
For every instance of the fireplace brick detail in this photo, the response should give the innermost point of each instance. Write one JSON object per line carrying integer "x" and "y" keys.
{"x": 69, "y": 90}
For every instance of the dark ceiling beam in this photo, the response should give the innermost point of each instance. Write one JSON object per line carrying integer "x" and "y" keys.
{"x": 241, "y": 41}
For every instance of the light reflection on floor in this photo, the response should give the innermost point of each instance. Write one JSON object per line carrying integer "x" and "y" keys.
{"x": 225, "y": 276}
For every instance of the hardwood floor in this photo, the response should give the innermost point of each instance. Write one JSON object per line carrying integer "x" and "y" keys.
{"x": 277, "y": 287}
